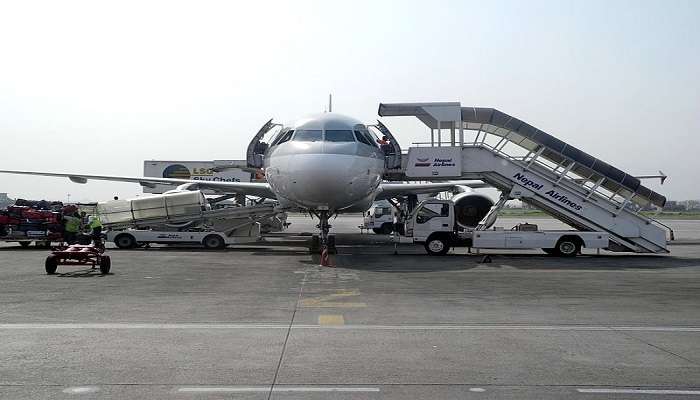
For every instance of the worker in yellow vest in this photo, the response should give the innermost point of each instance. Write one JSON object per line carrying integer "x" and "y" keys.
{"x": 95, "y": 226}
{"x": 71, "y": 227}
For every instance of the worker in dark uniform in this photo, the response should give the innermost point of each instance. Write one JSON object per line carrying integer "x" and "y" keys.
{"x": 384, "y": 145}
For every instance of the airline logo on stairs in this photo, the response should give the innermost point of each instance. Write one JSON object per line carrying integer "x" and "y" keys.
{"x": 431, "y": 162}
{"x": 529, "y": 183}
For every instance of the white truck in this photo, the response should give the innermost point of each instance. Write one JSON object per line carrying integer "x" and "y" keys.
{"x": 183, "y": 217}
{"x": 380, "y": 218}
{"x": 434, "y": 223}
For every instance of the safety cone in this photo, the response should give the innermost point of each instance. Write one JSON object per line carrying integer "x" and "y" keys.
{"x": 325, "y": 258}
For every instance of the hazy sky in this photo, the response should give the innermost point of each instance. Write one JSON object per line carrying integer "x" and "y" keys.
{"x": 98, "y": 87}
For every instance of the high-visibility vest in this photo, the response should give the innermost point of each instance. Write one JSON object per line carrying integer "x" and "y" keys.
{"x": 72, "y": 223}
{"x": 95, "y": 223}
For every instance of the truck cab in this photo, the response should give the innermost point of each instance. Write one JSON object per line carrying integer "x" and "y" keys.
{"x": 433, "y": 223}
{"x": 380, "y": 218}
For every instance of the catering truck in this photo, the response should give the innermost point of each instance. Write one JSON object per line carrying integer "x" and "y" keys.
{"x": 443, "y": 224}
{"x": 183, "y": 217}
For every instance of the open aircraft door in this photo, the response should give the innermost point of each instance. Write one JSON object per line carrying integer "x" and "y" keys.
{"x": 257, "y": 147}
{"x": 392, "y": 151}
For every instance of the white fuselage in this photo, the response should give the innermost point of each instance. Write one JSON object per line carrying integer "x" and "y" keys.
{"x": 325, "y": 165}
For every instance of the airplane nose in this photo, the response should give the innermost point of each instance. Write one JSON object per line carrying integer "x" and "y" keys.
{"x": 325, "y": 182}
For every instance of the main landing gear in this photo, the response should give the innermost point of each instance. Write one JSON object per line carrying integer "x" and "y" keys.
{"x": 324, "y": 240}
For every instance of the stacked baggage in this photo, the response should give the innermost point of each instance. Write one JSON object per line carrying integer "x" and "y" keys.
{"x": 27, "y": 221}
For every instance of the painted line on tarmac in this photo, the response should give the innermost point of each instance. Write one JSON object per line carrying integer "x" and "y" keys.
{"x": 509, "y": 328}
{"x": 477, "y": 327}
{"x": 640, "y": 391}
{"x": 331, "y": 320}
{"x": 266, "y": 389}
{"x": 120, "y": 325}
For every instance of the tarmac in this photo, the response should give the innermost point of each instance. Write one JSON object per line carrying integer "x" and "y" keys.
{"x": 267, "y": 322}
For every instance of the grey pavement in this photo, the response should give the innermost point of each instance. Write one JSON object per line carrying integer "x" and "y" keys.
{"x": 266, "y": 321}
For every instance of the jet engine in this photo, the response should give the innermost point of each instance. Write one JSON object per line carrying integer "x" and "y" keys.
{"x": 470, "y": 208}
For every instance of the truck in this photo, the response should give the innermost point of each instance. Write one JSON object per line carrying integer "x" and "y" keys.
{"x": 380, "y": 218}
{"x": 436, "y": 224}
{"x": 185, "y": 217}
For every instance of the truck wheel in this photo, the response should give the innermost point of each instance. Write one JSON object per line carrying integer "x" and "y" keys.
{"x": 568, "y": 246}
{"x": 213, "y": 242}
{"x": 437, "y": 245}
{"x": 51, "y": 264}
{"x": 105, "y": 264}
{"x": 125, "y": 241}
{"x": 25, "y": 244}
{"x": 387, "y": 228}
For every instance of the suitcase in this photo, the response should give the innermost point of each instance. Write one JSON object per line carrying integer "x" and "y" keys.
{"x": 15, "y": 211}
{"x": 32, "y": 214}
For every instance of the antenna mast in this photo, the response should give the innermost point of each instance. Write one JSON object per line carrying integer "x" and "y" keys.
{"x": 330, "y": 103}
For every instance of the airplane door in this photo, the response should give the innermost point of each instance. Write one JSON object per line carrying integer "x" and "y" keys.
{"x": 392, "y": 155}
{"x": 257, "y": 148}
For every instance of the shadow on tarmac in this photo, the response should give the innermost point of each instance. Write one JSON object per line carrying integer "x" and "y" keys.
{"x": 82, "y": 273}
{"x": 422, "y": 263}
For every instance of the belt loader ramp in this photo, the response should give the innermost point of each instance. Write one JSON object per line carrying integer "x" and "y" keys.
{"x": 515, "y": 157}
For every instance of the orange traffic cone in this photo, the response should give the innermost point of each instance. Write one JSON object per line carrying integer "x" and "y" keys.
{"x": 325, "y": 258}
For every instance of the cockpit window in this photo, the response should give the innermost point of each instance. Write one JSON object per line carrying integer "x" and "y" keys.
{"x": 363, "y": 135}
{"x": 284, "y": 137}
{"x": 308, "y": 135}
{"x": 339, "y": 136}
{"x": 362, "y": 138}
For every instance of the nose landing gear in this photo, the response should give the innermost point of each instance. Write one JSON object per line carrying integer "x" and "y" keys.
{"x": 324, "y": 241}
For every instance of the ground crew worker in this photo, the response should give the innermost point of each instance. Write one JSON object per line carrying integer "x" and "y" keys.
{"x": 95, "y": 225}
{"x": 71, "y": 227}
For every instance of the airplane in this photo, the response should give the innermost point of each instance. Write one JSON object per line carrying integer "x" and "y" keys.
{"x": 326, "y": 164}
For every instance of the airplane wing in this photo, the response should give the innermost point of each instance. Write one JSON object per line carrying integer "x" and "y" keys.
{"x": 389, "y": 190}
{"x": 248, "y": 188}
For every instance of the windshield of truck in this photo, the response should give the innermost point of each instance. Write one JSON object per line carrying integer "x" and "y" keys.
{"x": 431, "y": 210}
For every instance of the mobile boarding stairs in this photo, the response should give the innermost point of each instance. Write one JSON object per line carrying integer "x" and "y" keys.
{"x": 515, "y": 157}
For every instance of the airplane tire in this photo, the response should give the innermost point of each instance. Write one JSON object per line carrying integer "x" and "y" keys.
{"x": 105, "y": 264}
{"x": 331, "y": 245}
{"x": 437, "y": 245}
{"x": 125, "y": 241}
{"x": 51, "y": 264}
{"x": 212, "y": 242}
{"x": 315, "y": 246}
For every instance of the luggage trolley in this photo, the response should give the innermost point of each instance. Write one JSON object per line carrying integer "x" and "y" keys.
{"x": 78, "y": 254}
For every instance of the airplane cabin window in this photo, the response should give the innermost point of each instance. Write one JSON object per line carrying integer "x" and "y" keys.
{"x": 339, "y": 136}
{"x": 308, "y": 135}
